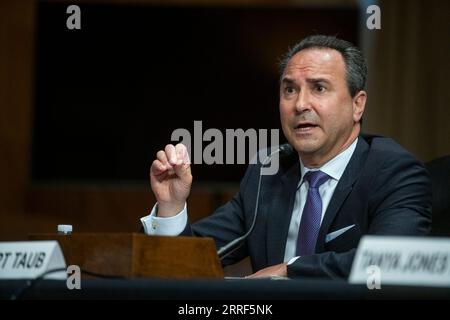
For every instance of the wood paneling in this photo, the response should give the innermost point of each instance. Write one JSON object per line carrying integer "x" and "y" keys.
{"x": 94, "y": 209}
{"x": 408, "y": 98}
{"x": 103, "y": 208}
{"x": 16, "y": 75}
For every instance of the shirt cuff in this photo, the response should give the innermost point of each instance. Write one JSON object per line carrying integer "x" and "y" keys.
{"x": 292, "y": 260}
{"x": 164, "y": 226}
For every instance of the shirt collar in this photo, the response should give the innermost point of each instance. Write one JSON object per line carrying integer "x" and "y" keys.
{"x": 336, "y": 166}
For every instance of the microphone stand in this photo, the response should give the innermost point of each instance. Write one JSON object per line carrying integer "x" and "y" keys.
{"x": 229, "y": 248}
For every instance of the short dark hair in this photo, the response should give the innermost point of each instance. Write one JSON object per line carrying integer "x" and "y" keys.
{"x": 355, "y": 65}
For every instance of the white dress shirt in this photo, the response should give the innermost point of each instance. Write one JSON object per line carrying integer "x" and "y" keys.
{"x": 334, "y": 168}
{"x": 171, "y": 226}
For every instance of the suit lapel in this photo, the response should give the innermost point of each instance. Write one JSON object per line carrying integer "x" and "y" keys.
{"x": 343, "y": 188}
{"x": 280, "y": 212}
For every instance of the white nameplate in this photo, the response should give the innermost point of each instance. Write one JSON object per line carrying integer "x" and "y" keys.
{"x": 31, "y": 259}
{"x": 415, "y": 261}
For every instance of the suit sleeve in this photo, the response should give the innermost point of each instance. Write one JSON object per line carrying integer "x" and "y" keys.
{"x": 400, "y": 204}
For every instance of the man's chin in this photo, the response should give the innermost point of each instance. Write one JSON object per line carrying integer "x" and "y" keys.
{"x": 307, "y": 151}
{"x": 305, "y": 146}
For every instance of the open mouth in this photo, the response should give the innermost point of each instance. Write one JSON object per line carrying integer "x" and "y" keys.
{"x": 305, "y": 127}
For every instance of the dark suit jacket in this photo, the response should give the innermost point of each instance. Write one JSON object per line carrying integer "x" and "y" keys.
{"x": 384, "y": 191}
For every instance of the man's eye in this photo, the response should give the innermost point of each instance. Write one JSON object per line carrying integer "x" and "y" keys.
{"x": 289, "y": 90}
{"x": 320, "y": 88}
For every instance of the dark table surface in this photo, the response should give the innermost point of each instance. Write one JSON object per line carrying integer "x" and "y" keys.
{"x": 160, "y": 289}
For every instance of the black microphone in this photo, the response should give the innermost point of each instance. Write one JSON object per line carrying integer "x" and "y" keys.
{"x": 237, "y": 243}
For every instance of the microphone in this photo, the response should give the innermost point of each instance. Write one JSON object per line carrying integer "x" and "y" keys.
{"x": 232, "y": 246}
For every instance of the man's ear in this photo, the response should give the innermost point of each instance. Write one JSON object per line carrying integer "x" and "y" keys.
{"x": 359, "y": 103}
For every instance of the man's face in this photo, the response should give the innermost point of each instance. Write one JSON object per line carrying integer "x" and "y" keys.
{"x": 318, "y": 115}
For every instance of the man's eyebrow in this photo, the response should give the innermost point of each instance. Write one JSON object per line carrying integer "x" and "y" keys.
{"x": 287, "y": 80}
{"x": 317, "y": 80}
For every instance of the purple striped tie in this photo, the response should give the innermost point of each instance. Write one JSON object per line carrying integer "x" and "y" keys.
{"x": 312, "y": 214}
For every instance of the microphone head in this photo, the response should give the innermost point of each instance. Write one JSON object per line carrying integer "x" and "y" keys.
{"x": 285, "y": 149}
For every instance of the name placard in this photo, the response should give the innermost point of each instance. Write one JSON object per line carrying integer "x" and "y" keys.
{"x": 31, "y": 259}
{"x": 396, "y": 260}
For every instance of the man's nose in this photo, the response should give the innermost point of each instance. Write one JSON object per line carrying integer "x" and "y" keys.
{"x": 303, "y": 101}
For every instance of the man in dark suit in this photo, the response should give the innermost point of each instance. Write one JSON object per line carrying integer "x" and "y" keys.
{"x": 336, "y": 185}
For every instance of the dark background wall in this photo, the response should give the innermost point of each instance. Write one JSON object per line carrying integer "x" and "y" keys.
{"x": 109, "y": 95}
